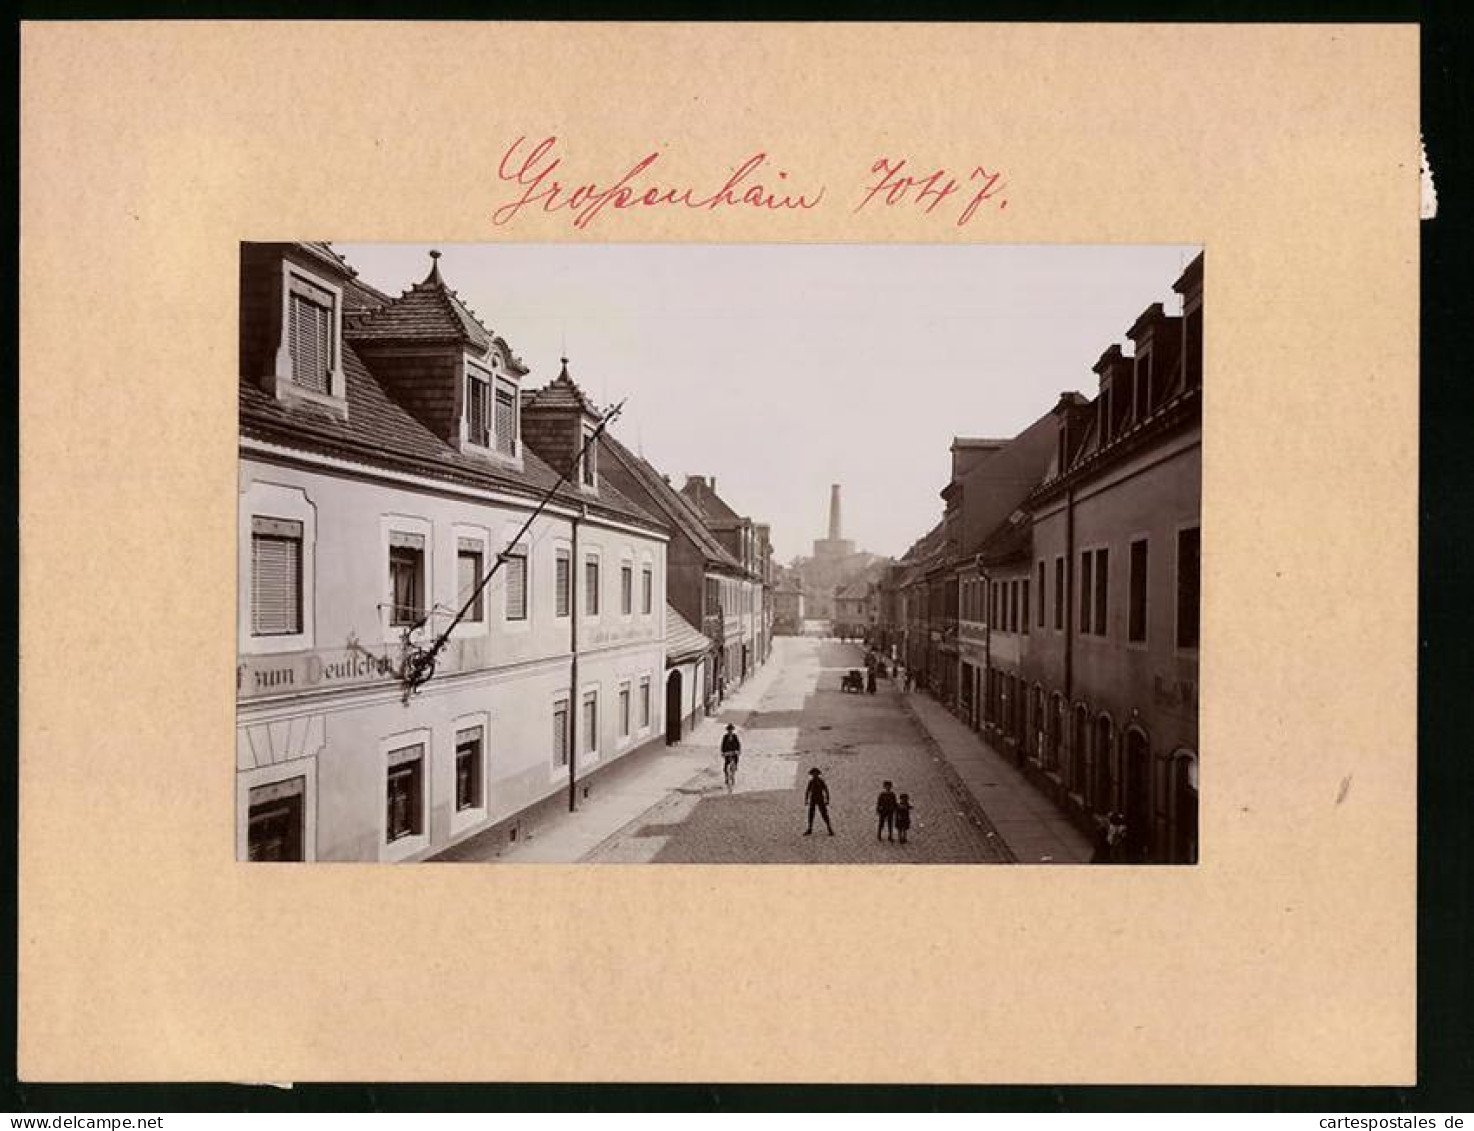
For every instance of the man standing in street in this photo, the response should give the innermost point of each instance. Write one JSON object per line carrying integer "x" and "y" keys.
{"x": 885, "y": 810}
{"x": 731, "y": 751}
{"x": 817, "y": 796}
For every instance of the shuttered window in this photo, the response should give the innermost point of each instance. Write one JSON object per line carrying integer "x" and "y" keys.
{"x": 644, "y": 703}
{"x": 626, "y": 589}
{"x": 647, "y": 590}
{"x": 562, "y": 583}
{"x": 590, "y": 722}
{"x": 624, "y": 710}
{"x": 276, "y": 577}
{"x": 590, "y": 459}
{"x": 560, "y": 733}
{"x": 506, "y": 419}
{"x": 515, "y": 567}
{"x": 310, "y": 337}
{"x": 469, "y": 562}
{"x": 591, "y": 587}
{"x": 478, "y": 407}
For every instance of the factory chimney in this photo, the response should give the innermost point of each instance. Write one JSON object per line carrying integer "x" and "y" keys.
{"x": 834, "y": 525}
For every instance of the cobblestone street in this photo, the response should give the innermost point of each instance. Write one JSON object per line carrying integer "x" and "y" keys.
{"x": 797, "y": 719}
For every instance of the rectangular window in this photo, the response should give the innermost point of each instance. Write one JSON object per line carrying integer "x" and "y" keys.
{"x": 713, "y": 596}
{"x": 1136, "y": 607}
{"x": 1039, "y": 590}
{"x": 590, "y": 463}
{"x": 274, "y": 822}
{"x": 514, "y": 565}
{"x": 1013, "y": 606}
{"x": 1024, "y": 603}
{"x": 560, "y": 733}
{"x": 506, "y": 419}
{"x": 405, "y": 793}
{"x": 406, "y": 578}
{"x": 468, "y": 769}
{"x": 562, "y": 583}
{"x": 644, "y": 702}
{"x": 276, "y": 577}
{"x": 1059, "y": 594}
{"x": 647, "y": 590}
{"x": 1102, "y": 589}
{"x": 591, "y": 587}
{"x": 469, "y": 562}
{"x": 310, "y": 337}
{"x": 590, "y": 722}
{"x": 1087, "y": 590}
{"x": 478, "y": 407}
{"x": 1189, "y": 551}
{"x": 626, "y": 589}
{"x": 624, "y": 710}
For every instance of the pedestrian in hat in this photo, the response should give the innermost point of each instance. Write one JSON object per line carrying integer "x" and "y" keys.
{"x": 817, "y": 797}
{"x": 731, "y": 751}
{"x": 885, "y": 811}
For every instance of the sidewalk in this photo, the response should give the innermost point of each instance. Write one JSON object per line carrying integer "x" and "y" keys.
{"x": 1028, "y": 822}
{"x": 626, "y": 791}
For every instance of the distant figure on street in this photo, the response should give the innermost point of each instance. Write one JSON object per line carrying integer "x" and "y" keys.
{"x": 1110, "y": 841}
{"x": 817, "y": 796}
{"x": 885, "y": 812}
{"x": 731, "y": 751}
{"x": 903, "y": 816}
{"x": 870, "y": 681}
{"x": 910, "y": 680}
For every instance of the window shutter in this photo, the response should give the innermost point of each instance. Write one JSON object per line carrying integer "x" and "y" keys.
{"x": 276, "y": 577}
{"x": 506, "y": 419}
{"x": 309, "y": 341}
{"x": 516, "y": 569}
{"x": 561, "y": 583}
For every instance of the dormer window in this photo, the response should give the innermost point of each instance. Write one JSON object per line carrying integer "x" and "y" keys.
{"x": 491, "y": 409}
{"x": 589, "y": 464}
{"x": 309, "y": 353}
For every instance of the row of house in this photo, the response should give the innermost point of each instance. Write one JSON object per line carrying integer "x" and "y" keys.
{"x": 1055, "y": 605}
{"x": 392, "y": 452}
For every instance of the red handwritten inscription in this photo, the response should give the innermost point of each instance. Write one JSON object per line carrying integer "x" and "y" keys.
{"x": 893, "y": 186}
{"x": 532, "y": 171}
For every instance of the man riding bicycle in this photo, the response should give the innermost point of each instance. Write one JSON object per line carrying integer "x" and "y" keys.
{"x": 731, "y": 751}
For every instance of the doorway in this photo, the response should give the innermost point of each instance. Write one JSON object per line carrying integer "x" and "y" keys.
{"x": 1138, "y": 790}
{"x": 673, "y": 710}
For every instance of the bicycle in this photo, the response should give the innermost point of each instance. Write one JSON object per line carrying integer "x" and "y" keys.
{"x": 729, "y": 772}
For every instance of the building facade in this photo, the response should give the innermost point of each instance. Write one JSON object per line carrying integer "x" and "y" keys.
{"x": 740, "y": 601}
{"x": 389, "y": 457}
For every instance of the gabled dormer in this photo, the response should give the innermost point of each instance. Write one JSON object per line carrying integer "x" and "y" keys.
{"x": 292, "y": 313}
{"x": 1190, "y": 287}
{"x": 1157, "y": 340}
{"x": 434, "y": 356}
{"x": 557, "y": 421}
{"x": 1072, "y": 413}
{"x": 1117, "y": 393}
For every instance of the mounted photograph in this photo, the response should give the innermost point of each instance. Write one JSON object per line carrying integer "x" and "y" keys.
{"x": 719, "y": 553}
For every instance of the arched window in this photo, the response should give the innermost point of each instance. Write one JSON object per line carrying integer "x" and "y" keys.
{"x": 1102, "y": 793}
{"x": 1182, "y": 804}
{"x": 1079, "y": 737}
{"x": 1055, "y": 729}
{"x": 1136, "y": 799}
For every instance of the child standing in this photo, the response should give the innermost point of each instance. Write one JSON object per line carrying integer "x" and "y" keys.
{"x": 903, "y": 816}
{"x": 885, "y": 810}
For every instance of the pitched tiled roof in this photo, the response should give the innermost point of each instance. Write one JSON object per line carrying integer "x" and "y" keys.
{"x": 379, "y": 432}
{"x": 428, "y": 312}
{"x": 854, "y": 591}
{"x": 712, "y": 507}
{"x": 561, "y": 392}
{"x": 682, "y": 640}
{"x": 1009, "y": 541}
{"x": 677, "y": 510}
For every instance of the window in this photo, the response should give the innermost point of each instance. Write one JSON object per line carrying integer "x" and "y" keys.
{"x": 1189, "y": 550}
{"x": 644, "y": 702}
{"x": 591, "y": 586}
{"x": 1136, "y": 606}
{"x": 590, "y": 722}
{"x": 478, "y": 406}
{"x": 626, "y": 589}
{"x": 506, "y": 419}
{"x": 1086, "y": 591}
{"x": 514, "y": 563}
{"x": 590, "y": 462}
{"x": 1024, "y": 603}
{"x": 1013, "y": 596}
{"x": 406, "y": 578}
{"x": 1102, "y": 589}
{"x": 562, "y": 583}
{"x": 1059, "y": 594}
{"x": 469, "y": 561}
{"x": 276, "y": 577}
{"x": 1143, "y": 385}
{"x": 468, "y": 769}
{"x": 274, "y": 820}
{"x": 560, "y": 733}
{"x": 1039, "y": 588}
{"x": 405, "y": 794}
{"x": 310, "y": 335}
{"x": 713, "y": 596}
{"x": 647, "y": 590}
{"x": 624, "y": 710}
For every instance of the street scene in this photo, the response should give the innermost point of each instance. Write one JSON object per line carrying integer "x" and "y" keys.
{"x": 947, "y": 619}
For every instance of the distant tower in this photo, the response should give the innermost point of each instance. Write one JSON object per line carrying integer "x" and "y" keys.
{"x": 834, "y": 547}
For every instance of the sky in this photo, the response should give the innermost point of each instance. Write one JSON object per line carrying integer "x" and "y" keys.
{"x": 783, "y": 368}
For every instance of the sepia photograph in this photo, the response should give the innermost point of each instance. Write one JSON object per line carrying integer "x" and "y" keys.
{"x": 719, "y": 554}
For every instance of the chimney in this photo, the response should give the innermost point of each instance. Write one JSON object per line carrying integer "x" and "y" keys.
{"x": 834, "y": 523}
